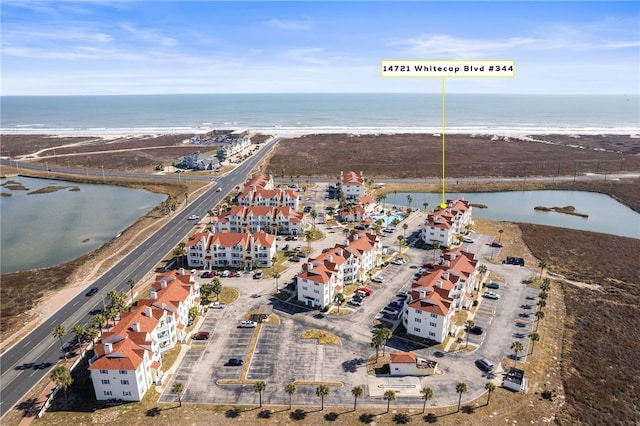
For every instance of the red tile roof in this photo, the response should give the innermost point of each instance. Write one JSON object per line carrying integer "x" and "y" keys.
{"x": 402, "y": 357}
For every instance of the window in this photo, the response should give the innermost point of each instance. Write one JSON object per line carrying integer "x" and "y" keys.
{"x": 126, "y": 393}
{"x": 433, "y": 324}
{"x": 316, "y": 291}
{"x": 417, "y": 320}
{"x": 431, "y": 334}
{"x": 434, "y": 315}
{"x": 122, "y": 372}
{"x": 105, "y": 381}
{"x": 104, "y": 372}
{"x": 124, "y": 382}
{"x": 416, "y": 329}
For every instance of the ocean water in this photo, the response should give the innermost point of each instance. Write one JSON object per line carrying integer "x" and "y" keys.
{"x": 321, "y": 113}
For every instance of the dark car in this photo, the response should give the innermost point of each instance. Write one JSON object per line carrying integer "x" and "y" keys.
{"x": 496, "y": 244}
{"x": 92, "y": 291}
{"x": 294, "y": 259}
{"x": 476, "y": 329}
{"x": 206, "y": 274}
{"x": 493, "y": 284}
{"x": 202, "y": 335}
{"x": 235, "y": 362}
{"x": 396, "y": 304}
{"x": 484, "y": 364}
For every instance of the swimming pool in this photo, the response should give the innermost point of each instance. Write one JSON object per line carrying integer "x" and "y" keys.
{"x": 388, "y": 220}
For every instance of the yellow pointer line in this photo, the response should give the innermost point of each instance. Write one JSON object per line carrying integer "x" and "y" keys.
{"x": 443, "y": 205}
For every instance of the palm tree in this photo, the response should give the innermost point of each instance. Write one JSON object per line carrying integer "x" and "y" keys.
{"x": 216, "y": 288}
{"x": 322, "y": 391}
{"x": 78, "y": 330}
{"x": 490, "y": 387}
{"x": 290, "y": 389}
{"x": 178, "y": 388}
{"x": 546, "y": 284}
{"x": 543, "y": 295}
{"x": 542, "y": 264}
{"x": 516, "y": 347}
{"x": 534, "y": 338}
{"x": 539, "y": 316}
{"x": 314, "y": 215}
{"x": 275, "y": 275}
{"x": 62, "y": 376}
{"x": 99, "y": 321}
{"x": 461, "y": 388}
{"x": 377, "y": 342}
{"x": 427, "y": 394}
{"x": 357, "y": 392}
{"x": 132, "y": 284}
{"x": 59, "y": 331}
{"x": 404, "y": 229}
{"x": 542, "y": 303}
{"x": 210, "y": 213}
{"x": 389, "y": 396}
{"x": 384, "y": 334}
{"x": 468, "y": 326}
{"x": 260, "y": 387}
{"x": 90, "y": 333}
{"x": 400, "y": 243}
{"x": 436, "y": 246}
{"x": 482, "y": 269}
{"x": 339, "y": 299}
{"x": 500, "y": 231}
{"x": 409, "y": 200}
{"x": 425, "y": 204}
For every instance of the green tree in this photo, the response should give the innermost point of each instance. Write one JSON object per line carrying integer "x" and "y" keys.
{"x": 99, "y": 320}
{"x": 516, "y": 347}
{"x": 322, "y": 391}
{"x": 425, "y": 205}
{"x": 542, "y": 304}
{"x": 205, "y": 291}
{"x": 111, "y": 313}
{"x": 534, "y": 338}
{"x": 460, "y": 388}
{"x": 59, "y": 332}
{"x": 542, "y": 264}
{"x": 357, "y": 392}
{"x": 468, "y": 325}
{"x": 339, "y": 299}
{"x": 78, "y": 330}
{"x": 500, "y": 231}
{"x": 482, "y": 269}
{"x": 217, "y": 288}
{"x": 404, "y": 230}
{"x": 62, "y": 377}
{"x": 132, "y": 284}
{"x": 409, "y": 201}
{"x": 543, "y": 295}
{"x": 276, "y": 276}
{"x": 490, "y": 387}
{"x": 539, "y": 316}
{"x": 211, "y": 214}
{"x": 377, "y": 342}
{"x": 179, "y": 253}
{"x": 314, "y": 215}
{"x": 427, "y": 394}
{"x": 258, "y": 388}
{"x": 384, "y": 334}
{"x": 400, "y": 243}
{"x": 90, "y": 333}
{"x": 193, "y": 313}
{"x": 290, "y": 390}
{"x": 389, "y": 396}
{"x": 178, "y": 389}
{"x": 546, "y": 284}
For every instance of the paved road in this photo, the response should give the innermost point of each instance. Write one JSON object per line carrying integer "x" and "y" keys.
{"x": 31, "y": 359}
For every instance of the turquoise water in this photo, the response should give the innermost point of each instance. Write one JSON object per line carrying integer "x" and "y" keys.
{"x": 388, "y": 220}
{"x": 42, "y": 230}
{"x": 605, "y": 214}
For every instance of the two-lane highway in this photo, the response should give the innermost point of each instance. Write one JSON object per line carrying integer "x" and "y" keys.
{"x": 31, "y": 359}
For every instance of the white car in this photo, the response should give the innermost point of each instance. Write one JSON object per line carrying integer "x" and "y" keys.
{"x": 492, "y": 295}
{"x": 248, "y": 324}
{"x": 218, "y": 189}
{"x": 397, "y": 262}
{"x": 217, "y": 305}
{"x": 378, "y": 279}
{"x": 194, "y": 217}
{"x": 468, "y": 240}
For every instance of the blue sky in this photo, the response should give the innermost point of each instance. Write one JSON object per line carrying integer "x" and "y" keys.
{"x": 120, "y": 47}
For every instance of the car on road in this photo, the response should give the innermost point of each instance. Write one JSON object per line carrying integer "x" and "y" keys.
{"x": 258, "y": 275}
{"x": 484, "y": 364}
{"x": 248, "y": 324}
{"x": 225, "y": 273}
{"x": 92, "y": 291}
{"x": 235, "y": 362}
{"x": 378, "y": 279}
{"x": 207, "y": 274}
{"x": 496, "y": 244}
{"x": 514, "y": 261}
{"x": 476, "y": 329}
{"x": 493, "y": 285}
{"x": 294, "y": 259}
{"x": 217, "y": 305}
{"x": 218, "y": 189}
{"x": 201, "y": 335}
{"x": 390, "y": 311}
{"x": 492, "y": 295}
{"x": 194, "y": 217}
{"x": 468, "y": 240}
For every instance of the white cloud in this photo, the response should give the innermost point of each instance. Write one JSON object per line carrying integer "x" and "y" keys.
{"x": 148, "y": 35}
{"x": 291, "y": 24}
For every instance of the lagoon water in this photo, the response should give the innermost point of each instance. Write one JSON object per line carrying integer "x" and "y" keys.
{"x": 41, "y": 230}
{"x": 606, "y": 215}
